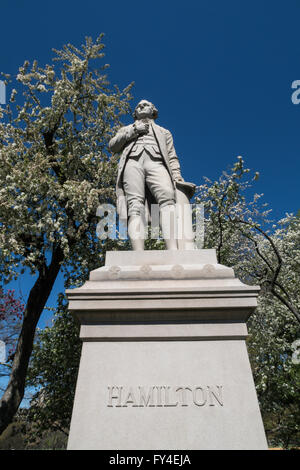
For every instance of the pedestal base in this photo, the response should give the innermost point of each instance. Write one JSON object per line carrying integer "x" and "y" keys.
{"x": 174, "y": 375}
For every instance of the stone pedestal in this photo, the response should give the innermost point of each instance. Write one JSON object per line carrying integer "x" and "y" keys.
{"x": 164, "y": 363}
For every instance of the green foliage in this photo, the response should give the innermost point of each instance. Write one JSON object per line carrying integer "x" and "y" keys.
{"x": 19, "y": 436}
{"x": 14, "y": 437}
{"x": 53, "y": 371}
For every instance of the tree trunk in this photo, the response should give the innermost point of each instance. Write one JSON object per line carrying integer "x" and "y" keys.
{"x": 37, "y": 299}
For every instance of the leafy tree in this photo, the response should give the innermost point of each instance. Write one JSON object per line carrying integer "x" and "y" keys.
{"x": 272, "y": 332}
{"x": 18, "y": 436}
{"x": 54, "y": 172}
{"x": 14, "y": 437}
{"x": 53, "y": 372}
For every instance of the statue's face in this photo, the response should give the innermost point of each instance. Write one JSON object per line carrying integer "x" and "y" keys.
{"x": 144, "y": 110}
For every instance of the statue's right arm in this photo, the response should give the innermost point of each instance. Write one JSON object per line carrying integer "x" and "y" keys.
{"x": 124, "y": 135}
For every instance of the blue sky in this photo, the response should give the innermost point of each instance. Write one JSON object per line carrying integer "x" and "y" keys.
{"x": 219, "y": 72}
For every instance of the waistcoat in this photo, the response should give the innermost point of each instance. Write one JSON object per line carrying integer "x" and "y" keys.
{"x": 146, "y": 142}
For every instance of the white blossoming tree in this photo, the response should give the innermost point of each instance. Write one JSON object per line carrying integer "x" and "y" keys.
{"x": 267, "y": 254}
{"x": 54, "y": 172}
{"x": 245, "y": 238}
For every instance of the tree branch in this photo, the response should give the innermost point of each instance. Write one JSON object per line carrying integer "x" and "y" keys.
{"x": 274, "y": 271}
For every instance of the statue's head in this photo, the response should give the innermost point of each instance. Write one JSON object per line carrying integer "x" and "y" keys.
{"x": 145, "y": 109}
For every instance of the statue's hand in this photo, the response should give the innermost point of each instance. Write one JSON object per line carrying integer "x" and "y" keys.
{"x": 141, "y": 127}
{"x": 178, "y": 178}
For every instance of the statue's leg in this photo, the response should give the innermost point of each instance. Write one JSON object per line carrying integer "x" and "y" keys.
{"x": 134, "y": 188}
{"x": 159, "y": 182}
{"x": 168, "y": 226}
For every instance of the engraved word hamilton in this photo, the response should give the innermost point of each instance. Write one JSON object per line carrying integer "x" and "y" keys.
{"x": 164, "y": 396}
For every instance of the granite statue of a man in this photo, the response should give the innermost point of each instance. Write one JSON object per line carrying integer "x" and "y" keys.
{"x": 148, "y": 170}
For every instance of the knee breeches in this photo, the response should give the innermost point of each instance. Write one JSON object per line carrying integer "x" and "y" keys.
{"x": 145, "y": 170}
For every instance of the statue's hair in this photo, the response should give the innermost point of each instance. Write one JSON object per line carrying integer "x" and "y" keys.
{"x": 154, "y": 110}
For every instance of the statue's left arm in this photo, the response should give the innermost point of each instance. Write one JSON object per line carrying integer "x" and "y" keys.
{"x": 173, "y": 159}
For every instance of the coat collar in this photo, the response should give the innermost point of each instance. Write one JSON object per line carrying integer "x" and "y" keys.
{"x": 160, "y": 137}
